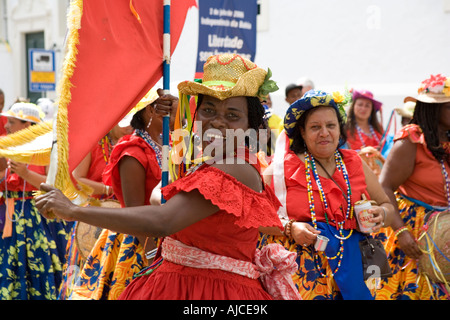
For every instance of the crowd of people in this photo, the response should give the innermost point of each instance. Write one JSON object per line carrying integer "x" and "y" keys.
{"x": 278, "y": 219}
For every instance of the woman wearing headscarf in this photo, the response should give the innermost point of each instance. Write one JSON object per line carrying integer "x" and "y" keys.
{"x": 318, "y": 184}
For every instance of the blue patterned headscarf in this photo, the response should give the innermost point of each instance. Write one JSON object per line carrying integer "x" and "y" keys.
{"x": 312, "y": 98}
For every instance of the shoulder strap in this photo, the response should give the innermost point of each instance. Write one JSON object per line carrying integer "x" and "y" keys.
{"x": 278, "y": 173}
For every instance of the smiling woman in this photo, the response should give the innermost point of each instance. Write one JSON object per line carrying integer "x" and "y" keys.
{"x": 212, "y": 214}
{"x": 321, "y": 184}
{"x": 363, "y": 128}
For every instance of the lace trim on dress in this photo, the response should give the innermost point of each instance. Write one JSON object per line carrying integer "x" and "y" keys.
{"x": 253, "y": 209}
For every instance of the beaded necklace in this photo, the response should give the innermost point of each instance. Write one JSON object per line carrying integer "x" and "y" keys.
{"x": 106, "y": 143}
{"x": 310, "y": 166}
{"x": 372, "y": 134}
{"x": 147, "y": 138}
{"x": 447, "y": 182}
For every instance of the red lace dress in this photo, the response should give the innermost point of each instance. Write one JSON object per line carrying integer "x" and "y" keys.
{"x": 232, "y": 232}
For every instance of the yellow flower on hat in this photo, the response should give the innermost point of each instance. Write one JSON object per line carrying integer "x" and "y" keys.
{"x": 447, "y": 87}
{"x": 338, "y": 97}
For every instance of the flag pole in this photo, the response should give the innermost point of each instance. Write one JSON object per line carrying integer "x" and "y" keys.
{"x": 166, "y": 88}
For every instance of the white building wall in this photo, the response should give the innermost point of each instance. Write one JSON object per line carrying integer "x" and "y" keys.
{"x": 27, "y": 16}
{"x": 386, "y": 46}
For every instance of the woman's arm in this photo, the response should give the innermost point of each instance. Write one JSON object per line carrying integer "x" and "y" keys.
{"x": 398, "y": 167}
{"x": 179, "y": 212}
{"x": 80, "y": 174}
{"x": 384, "y": 211}
{"x": 30, "y": 176}
{"x": 133, "y": 181}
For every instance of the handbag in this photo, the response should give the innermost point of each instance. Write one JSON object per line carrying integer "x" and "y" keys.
{"x": 374, "y": 259}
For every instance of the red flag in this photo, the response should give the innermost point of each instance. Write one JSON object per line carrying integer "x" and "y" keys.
{"x": 114, "y": 57}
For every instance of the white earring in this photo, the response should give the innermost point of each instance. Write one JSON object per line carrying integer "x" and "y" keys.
{"x": 149, "y": 122}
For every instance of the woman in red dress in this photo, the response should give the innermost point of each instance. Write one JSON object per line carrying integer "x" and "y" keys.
{"x": 134, "y": 169}
{"x": 320, "y": 185}
{"x": 212, "y": 215}
{"x": 363, "y": 128}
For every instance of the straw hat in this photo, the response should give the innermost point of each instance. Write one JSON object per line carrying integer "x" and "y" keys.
{"x": 230, "y": 75}
{"x": 407, "y": 110}
{"x": 149, "y": 98}
{"x": 311, "y": 99}
{"x": 25, "y": 111}
{"x": 435, "y": 89}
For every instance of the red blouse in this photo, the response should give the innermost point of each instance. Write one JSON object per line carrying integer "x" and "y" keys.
{"x": 15, "y": 183}
{"x": 355, "y": 143}
{"x": 98, "y": 162}
{"x": 136, "y": 147}
{"x": 297, "y": 203}
{"x": 426, "y": 183}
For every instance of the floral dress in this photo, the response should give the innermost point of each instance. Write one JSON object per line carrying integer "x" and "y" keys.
{"x": 32, "y": 248}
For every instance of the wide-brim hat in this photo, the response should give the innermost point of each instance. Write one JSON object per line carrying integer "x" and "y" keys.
{"x": 435, "y": 89}
{"x": 311, "y": 99}
{"x": 25, "y": 111}
{"x": 367, "y": 95}
{"x": 149, "y": 98}
{"x": 230, "y": 75}
{"x": 407, "y": 110}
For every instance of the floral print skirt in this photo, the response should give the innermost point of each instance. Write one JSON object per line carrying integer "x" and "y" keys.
{"x": 314, "y": 278}
{"x": 110, "y": 267}
{"x": 32, "y": 258}
{"x": 407, "y": 282}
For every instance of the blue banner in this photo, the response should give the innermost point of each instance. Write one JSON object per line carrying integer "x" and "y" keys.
{"x": 226, "y": 26}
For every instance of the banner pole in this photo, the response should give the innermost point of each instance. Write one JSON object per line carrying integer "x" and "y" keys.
{"x": 166, "y": 88}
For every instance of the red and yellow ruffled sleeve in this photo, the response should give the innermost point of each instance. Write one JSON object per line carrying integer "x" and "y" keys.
{"x": 412, "y": 132}
{"x": 251, "y": 209}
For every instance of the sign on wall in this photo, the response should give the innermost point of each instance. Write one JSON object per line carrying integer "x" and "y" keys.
{"x": 226, "y": 26}
{"x": 42, "y": 70}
